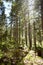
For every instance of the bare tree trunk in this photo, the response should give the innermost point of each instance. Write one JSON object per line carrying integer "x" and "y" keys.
{"x": 15, "y": 31}
{"x": 30, "y": 36}
{"x": 0, "y": 35}
{"x": 19, "y": 32}
{"x": 22, "y": 37}
{"x": 11, "y": 31}
{"x": 40, "y": 39}
{"x": 34, "y": 35}
{"x": 42, "y": 12}
{"x": 26, "y": 33}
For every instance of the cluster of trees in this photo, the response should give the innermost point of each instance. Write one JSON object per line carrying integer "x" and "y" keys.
{"x": 24, "y": 26}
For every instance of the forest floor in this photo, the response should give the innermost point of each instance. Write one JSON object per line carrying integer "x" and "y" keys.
{"x": 21, "y": 57}
{"x": 31, "y": 59}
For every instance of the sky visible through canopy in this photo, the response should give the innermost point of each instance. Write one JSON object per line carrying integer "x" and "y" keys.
{"x": 8, "y": 6}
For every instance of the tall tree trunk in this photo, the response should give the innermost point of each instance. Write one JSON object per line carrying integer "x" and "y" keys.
{"x": 11, "y": 31}
{"x": 15, "y": 30}
{"x": 19, "y": 31}
{"x": 26, "y": 32}
{"x": 22, "y": 36}
{"x": 34, "y": 35}
{"x": 30, "y": 36}
{"x": 42, "y": 12}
